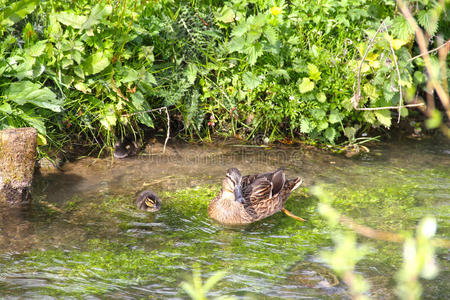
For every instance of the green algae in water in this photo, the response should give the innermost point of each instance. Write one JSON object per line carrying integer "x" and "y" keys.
{"x": 154, "y": 252}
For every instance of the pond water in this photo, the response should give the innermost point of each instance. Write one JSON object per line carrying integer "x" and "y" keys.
{"x": 84, "y": 238}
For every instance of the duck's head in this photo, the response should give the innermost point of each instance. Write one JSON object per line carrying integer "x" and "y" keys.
{"x": 232, "y": 184}
{"x": 148, "y": 201}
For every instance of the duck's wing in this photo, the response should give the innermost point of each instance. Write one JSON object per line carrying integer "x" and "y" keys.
{"x": 277, "y": 178}
{"x": 255, "y": 196}
{"x": 260, "y": 189}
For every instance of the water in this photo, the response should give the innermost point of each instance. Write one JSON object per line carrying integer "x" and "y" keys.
{"x": 85, "y": 239}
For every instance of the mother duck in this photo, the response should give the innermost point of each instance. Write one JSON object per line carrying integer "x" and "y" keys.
{"x": 247, "y": 199}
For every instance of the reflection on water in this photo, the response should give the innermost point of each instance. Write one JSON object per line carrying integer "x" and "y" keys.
{"x": 84, "y": 236}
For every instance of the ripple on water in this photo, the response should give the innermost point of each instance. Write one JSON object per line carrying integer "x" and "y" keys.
{"x": 97, "y": 245}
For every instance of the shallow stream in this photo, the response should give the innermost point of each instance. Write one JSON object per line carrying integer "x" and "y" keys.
{"x": 84, "y": 238}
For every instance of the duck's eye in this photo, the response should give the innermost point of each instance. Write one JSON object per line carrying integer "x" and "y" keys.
{"x": 149, "y": 202}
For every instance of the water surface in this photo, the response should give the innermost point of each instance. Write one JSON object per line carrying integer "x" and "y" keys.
{"x": 84, "y": 237}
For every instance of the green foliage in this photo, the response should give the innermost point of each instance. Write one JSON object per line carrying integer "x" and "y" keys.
{"x": 197, "y": 290}
{"x": 253, "y": 66}
{"x": 418, "y": 254}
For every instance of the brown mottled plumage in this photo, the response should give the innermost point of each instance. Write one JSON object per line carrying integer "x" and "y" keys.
{"x": 247, "y": 199}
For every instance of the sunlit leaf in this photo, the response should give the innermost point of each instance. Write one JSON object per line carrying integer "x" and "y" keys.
{"x": 191, "y": 73}
{"x": 37, "y": 49}
{"x": 141, "y": 106}
{"x": 5, "y": 108}
{"x": 321, "y": 97}
{"x": 335, "y": 116}
{"x": 98, "y": 13}
{"x": 41, "y": 140}
{"x": 95, "y": 63}
{"x": 70, "y": 19}
{"x": 330, "y": 134}
{"x": 371, "y": 92}
{"x": 402, "y": 29}
{"x": 435, "y": 120}
{"x": 250, "y": 80}
{"x": 16, "y": 11}
{"x": 225, "y": 14}
{"x": 23, "y": 92}
{"x": 429, "y": 20}
{"x": 306, "y": 85}
{"x": 384, "y": 117}
{"x": 271, "y": 34}
{"x": 314, "y": 72}
{"x": 305, "y": 126}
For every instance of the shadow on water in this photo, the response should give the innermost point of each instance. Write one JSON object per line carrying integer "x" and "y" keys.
{"x": 84, "y": 237}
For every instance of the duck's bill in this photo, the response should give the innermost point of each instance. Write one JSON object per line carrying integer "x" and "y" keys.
{"x": 238, "y": 194}
{"x": 149, "y": 202}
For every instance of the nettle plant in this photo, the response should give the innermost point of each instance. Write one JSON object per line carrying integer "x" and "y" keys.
{"x": 294, "y": 66}
{"x": 293, "y": 62}
{"x": 73, "y": 69}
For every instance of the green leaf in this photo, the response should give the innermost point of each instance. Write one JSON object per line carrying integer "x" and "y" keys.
{"x": 240, "y": 29}
{"x": 95, "y": 63}
{"x": 350, "y": 132}
{"x": 314, "y": 72}
{"x": 401, "y": 28}
{"x": 330, "y": 134}
{"x": 236, "y": 44}
{"x": 17, "y": 11}
{"x": 33, "y": 120}
{"x": 306, "y": 86}
{"x": 99, "y": 12}
{"x": 129, "y": 75}
{"x": 140, "y": 105}
{"x": 108, "y": 116}
{"x": 369, "y": 116}
{"x": 318, "y": 113}
{"x": 271, "y": 34}
{"x": 23, "y": 92}
{"x": 37, "y": 49}
{"x": 70, "y": 19}
{"x": 435, "y": 119}
{"x": 191, "y": 73}
{"x": 254, "y": 52}
{"x": 371, "y": 92}
{"x": 5, "y": 108}
{"x": 384, "y": 117}
{"x": 225, "y": 14}
{"x": 335, "y": 116}
{"x": 321, "y": 97}
{"x": 419, "y": 77}
{"x": 250, "y": 80}
{"x": 305, "y": 126}
{"x": 428, "y": 19}
{"x": 323, "y": 124}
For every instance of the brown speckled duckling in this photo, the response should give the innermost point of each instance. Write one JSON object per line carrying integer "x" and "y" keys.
{"x": 148, "y": 201}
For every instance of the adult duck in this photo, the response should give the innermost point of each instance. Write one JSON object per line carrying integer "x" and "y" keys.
{"x": 247, "y": 199}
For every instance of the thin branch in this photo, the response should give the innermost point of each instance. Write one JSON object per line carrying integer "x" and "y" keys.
{"x": 390, "y": 107}
{"x": 384, "y": 235}
{"x": 426, "y": 57}
{"x": 168, "y": 130}
{"x": 358, "y": 93}
{"x": 447, "y": 43}
{"x": 159, "y": 109}
{"x": 398, "y": 72}
{"x": 370, "y": 232}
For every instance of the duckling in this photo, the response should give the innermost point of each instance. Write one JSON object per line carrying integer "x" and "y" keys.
{"x": 148, "y": 201}
{"x": 247, "y": 199}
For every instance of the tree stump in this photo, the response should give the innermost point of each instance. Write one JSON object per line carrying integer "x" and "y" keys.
{"x": 17, "y": 162}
